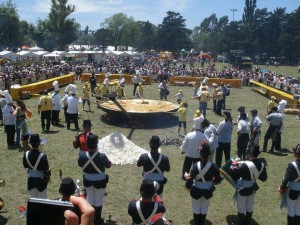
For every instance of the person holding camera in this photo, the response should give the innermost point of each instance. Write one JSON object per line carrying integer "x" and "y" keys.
{"x": 246, "y": 175}
{"x": 39, "y": 172}
{"x": 93, "y": 164}
{"x": 154, "y": 164}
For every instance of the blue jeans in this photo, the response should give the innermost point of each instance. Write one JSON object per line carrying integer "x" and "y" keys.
{"x": 202, "y": 108}
{"x": 18, "y": 132}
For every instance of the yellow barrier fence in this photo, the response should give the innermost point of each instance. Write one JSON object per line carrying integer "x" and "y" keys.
{"x": 100, "y": 78}
{"x": 40, "y": 86}
{"x": 188, "y": 80}
{"x": 270, "y": 91}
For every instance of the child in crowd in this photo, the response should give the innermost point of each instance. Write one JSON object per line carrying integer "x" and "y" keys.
{"x": 179, "y": 96}
{"x": 182, "y": 116}
{"x": 24, "y": 130}
{"x": 271, "y": 104}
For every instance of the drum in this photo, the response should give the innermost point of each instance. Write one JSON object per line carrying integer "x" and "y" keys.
{"x": 227, "y": 173}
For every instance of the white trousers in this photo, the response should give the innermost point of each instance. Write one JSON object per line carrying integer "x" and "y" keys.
{"x": 293, "y": 207}
{"x": 245, "y": 203}
{"x": 200, "y": 206}
{"x": 95, "y": 196}
{"x": 34, "y": 193}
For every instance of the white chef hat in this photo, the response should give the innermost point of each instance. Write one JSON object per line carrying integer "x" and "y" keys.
{"x": 7, "y": 96}
{"x": 55, "y": 85}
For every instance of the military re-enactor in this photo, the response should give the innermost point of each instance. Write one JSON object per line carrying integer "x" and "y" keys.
{"x": 38, "y": 169}
{"x": 291, "y": 187}
{"x": 154, "y": 164}
{"x": 93, "y": 164}
{"x": 247, "y": 173}
{"x": 200, "y": 181}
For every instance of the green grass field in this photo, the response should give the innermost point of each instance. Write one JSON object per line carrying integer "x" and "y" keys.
{"x": 125, "y": 180}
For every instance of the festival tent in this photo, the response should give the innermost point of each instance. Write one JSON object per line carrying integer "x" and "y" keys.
{"x": 110, "y": 53}
{"x": 52, "y": 55}
{"x": 60, "y": 53}
{"x": 9, "y": 54}
{"x": 27, "y": 54}
{"x": 35, "y": 48}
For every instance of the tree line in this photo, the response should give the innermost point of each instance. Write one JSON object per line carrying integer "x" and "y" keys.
{"x": 260, "y": 33}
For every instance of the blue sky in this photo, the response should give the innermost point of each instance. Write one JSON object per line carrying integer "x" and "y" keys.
{"x": 94, "y": 12}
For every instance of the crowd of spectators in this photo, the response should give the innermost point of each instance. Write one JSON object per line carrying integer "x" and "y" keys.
{"x": 14, "y": 73}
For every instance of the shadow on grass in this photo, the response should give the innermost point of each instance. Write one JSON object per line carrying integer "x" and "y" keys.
{"x": 3, "y": 220}
{"x": 233, "y": 219}
{"x": 207, "y": 222}
{"x": 285, "y": 150}
{"x": 50, "y": 132}
{"x": 277, "y": 153}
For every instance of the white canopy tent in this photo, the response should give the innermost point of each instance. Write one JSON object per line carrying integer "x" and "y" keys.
{"x": 27, "y": 54}
{"x": 35, "y": 49}
{"x": 9, "y": 55}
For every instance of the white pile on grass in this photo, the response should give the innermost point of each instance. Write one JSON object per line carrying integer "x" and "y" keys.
{"x": 119, "y": 149}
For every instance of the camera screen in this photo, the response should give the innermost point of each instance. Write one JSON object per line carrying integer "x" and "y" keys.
{"x": 47, "y": 212}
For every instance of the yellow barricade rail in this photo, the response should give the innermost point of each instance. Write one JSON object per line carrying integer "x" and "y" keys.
{"x": 189, "y": 80}
{"x": 100, "y": 78}
{"x": 40, "y": 86}
{"x": 270, "y": 91}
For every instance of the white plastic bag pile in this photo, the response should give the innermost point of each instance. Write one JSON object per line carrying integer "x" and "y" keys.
{"x": 119, "y": 149}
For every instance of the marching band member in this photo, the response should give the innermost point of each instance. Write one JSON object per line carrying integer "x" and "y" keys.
{"x": 247, "y": 173}
{"x": 38, "y": 169}
{"x": 93, "y": 164}
{"x": 200, "y": 181}
{"x": 243, "y": 132}
{"x": 57, "y": 104}
{"x": 154, "y": 164}
{"x": 290, "y": 186}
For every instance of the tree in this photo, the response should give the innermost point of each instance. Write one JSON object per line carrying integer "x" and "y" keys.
{"x": 10, "y": 35}
{"x": 249, "y": 10}
{"x": 173, "y": 34}
{"x": 148, "y": 36}
{"x": 63, "y": 30}
{"x": 117, "y": 25}
{"x": 103, "y": 37}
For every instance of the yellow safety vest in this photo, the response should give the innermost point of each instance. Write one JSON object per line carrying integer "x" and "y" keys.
{"x": 46, "y": 103}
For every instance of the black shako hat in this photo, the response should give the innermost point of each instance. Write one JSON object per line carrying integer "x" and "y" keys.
{"x": 35, "y": 139}
{"x": 86, "y": 123}
{"x": 154, "y": 141}
{"x": 253, "y": 150}
{"x": 67, "y": 187}
{"x": 297, "y": 149}
{"x": 204, "y": 150}
{"x": 92, "y": 141}
{"x": 147, "y": 188}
